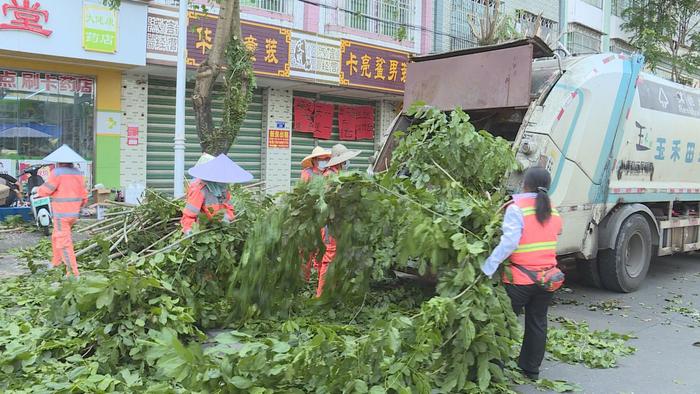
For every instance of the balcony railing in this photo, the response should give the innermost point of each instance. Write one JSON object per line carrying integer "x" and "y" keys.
{"x": 462, "y": 13}
{"x": 386, "y": 17}
{"x": 280, "y": 6}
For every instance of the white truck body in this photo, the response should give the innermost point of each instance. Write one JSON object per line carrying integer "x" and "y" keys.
{"x": 623, "y": 149}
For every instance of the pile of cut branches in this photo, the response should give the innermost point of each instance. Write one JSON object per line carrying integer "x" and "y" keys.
{"x": 228, "y": 310}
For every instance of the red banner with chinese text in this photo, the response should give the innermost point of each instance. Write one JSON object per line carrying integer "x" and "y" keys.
{"x": 356, "y": 122}
{"x": 364, "y": 122}
{"x": 346, "y": 122}
{"x": 323, "y": 120}
{"x": 371, "y": 67}
{"x": 269, "y": 44}
{"x": 304, "y": 115}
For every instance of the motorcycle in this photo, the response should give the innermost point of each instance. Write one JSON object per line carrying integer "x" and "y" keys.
{"x": 41, "y": 206}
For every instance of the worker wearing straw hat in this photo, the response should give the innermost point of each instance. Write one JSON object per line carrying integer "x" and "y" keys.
{"x": 66, "y": 187}
{"x": 314, "y": 163}
{"x": 340, "y": 159}
{"x": 312, "y": 166}
{"x": 209, "y": 193}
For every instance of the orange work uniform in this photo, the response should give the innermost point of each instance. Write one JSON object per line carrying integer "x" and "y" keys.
{"x": 66, "y": 187}
{"x": 200, "y": 199}
{"x": 329, "y": 242}
{"x": 537, "y": 249}
{"x": 306, "y": 175}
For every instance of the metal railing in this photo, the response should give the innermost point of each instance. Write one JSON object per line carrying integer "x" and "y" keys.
{"x": 583, "y": 40}
{"x": 462, "y": 12}
{"x": 526, "y": 24}
{"x": 281, "y": 6}
{"x": 386, "y": 17}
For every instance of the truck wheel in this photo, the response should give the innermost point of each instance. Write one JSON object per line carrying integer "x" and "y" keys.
{"x": 623, "y": 268}
{"x": 588, "y": 273}
{"x": 46, "y": 231}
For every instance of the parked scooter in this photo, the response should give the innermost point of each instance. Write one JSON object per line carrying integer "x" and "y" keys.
{"x": 41, "y": 206}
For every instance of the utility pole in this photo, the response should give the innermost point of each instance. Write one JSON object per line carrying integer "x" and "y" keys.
{"x": 179, "y": 170}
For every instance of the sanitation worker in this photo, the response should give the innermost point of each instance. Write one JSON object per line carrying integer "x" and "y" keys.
{"x": 313, "y": 166}
{"x": 66, "y": 188}
{"x": 209, "y": 193}
{"x": 314, "y": 163}
{"x": 340, "y": 160}
{"x": 531, "y": 228}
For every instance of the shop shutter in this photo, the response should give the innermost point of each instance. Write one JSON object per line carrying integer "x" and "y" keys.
{"x": 246, "y": 151}
{"x": 303, "y": 143}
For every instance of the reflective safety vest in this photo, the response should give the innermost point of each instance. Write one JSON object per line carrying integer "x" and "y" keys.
{"x": 200, "y": 199}
{"x": 66, "y": 187}
{"x": 537, "y": 249}
{"x": 309, "y": 172}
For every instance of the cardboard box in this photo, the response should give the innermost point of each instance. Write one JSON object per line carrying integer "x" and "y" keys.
{"x": 101, "y": 195}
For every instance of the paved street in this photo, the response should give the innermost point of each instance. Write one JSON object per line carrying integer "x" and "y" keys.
{"x": 666, "y": 360}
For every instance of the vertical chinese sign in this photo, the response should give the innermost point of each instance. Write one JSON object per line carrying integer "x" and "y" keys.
{"x": 100, "y": 26}
{"x": 371, "y": 67}
{"x": 269, "y": 44}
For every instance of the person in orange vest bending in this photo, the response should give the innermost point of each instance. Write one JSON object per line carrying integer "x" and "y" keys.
{"x": 66, "y": 187}
{"x": 209, "y": 193}
{"x": 531, "y": 228}
{"x": 340, "y": 160}
{"x": 312, "y": 166}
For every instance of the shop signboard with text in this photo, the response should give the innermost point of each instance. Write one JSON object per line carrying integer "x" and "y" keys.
{"x": 371, "y": 67}
{"x": 268, "y": 44}
{"x": 79, "y": 29}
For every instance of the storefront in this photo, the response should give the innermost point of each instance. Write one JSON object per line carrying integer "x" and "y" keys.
{"x": 290, "y": 65}
{"x": 61, "y": 69}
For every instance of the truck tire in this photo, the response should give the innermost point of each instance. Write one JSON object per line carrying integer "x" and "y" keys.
{"x": 588, "y": 273}
{"x": 623, "y": 268}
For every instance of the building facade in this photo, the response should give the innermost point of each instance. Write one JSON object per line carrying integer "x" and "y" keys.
{"x": 583, "y": 26}
{"x": 61, "y": 65}
{"x": 326, "y": 72}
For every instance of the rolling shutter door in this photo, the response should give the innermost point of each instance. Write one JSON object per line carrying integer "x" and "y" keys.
{"x": 246, "y": 150}
{"x": 303, "y": 143}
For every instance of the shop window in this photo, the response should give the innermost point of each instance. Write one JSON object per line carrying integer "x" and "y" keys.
{"x": 41, "y": 111}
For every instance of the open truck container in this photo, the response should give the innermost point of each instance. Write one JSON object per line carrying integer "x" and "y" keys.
{"x": 620, "y": 144}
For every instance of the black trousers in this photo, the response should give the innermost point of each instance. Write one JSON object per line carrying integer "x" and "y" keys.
{"x": 535, "y": 302}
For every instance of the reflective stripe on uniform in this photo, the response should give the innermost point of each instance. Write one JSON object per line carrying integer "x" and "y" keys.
{"x": 532, "y": 211}
{"x": 66, "y": 257}
{"x": 192, "y": 208}
{"x": 536, "y": 247}
{"x": 49, "y": 186}
{"x": 67, "y": 199}
{"x": 59, "y": 225}
{"x": 66, "y": 215}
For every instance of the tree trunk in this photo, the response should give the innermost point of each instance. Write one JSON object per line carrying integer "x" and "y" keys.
{"x": 228, "y": 27}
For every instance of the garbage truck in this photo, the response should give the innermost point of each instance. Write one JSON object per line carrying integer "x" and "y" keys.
{"x": 622, "y": 146}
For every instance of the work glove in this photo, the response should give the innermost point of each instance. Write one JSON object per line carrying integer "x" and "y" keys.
{"x": 188, "y": 233}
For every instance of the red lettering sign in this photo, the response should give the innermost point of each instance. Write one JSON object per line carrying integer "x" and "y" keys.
{"x": 132, "y": 135}
{"x": 278, "y": 139}
{"x": 8, "y": 79}
{"x": 43, "y": 82}
{"x": 27, "y": 17}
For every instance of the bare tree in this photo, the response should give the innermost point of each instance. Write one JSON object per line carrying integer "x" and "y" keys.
{"x": 493, "y": 26}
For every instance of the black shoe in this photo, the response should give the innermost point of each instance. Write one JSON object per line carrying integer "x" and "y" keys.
{"x": 530, "y": 375}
